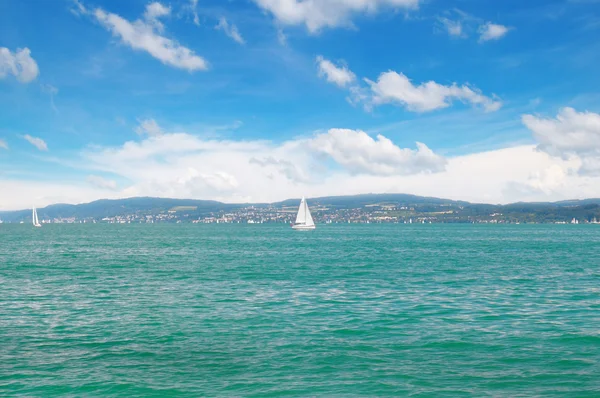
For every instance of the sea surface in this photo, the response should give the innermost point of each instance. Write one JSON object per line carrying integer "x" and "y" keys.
{"x": 264, "y": 311}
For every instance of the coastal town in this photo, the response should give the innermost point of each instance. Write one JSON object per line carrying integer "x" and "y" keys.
{"x": 367, "y": 214}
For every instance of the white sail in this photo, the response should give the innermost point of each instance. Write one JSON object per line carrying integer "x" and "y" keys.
{"x": 308, "y": 221}
{"x": 301, "y": 217}
{"x": 304, "y": 220}
{"x": 34, "y": 218}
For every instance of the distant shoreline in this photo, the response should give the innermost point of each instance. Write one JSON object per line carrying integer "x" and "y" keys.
{"x": 362, "y": 209}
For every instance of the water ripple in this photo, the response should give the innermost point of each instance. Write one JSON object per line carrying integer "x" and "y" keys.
{"x": 194, "y": 310}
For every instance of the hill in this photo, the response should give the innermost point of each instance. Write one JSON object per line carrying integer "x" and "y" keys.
{"x": 118, "y": 207}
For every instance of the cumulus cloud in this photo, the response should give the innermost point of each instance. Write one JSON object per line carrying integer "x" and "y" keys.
{"x": 396, "y": 88}
{"x": 36, "y": 142}
{"x": 146, "y": 35}
{"x": 102, "y": 182}
{"x": 20, "y": 64}
{"x": 332, "y": 162}
{"x": 492, "y": 31}
{"x": 180, "y": 165}
{"x": 198, "y": 183}
{"x": 230, "y": 30}
{"x": 183, "y": 165}
{"x": 571, "y": 135}
{"x": 149, "y": 127}
{"x": 338, "y": 75}
{"x": 359, "y": 153}
{"x": 285, "y": 167}
{"x": 3, "y": 144}
{"x": 318, "y": 14}
{"x": 542, "y": 182}
{"x": 335, "y": 162}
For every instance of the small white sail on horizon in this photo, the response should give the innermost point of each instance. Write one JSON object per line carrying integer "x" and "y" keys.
{"x": 34, "y": 218}
{"x": 304, "y": 220}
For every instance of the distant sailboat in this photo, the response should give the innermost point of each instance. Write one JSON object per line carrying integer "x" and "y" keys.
{"x": 34, "y": 218}
{"x": 304, "y": 220}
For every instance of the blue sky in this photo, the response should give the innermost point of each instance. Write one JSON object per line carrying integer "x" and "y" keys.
{"x": 262, "y": 100}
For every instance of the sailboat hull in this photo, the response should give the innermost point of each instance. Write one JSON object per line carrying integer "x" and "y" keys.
{"x": 303, "y": 227}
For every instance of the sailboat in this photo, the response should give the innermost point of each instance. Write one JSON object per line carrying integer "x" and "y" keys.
{"x": 34, "y": 218}
{"x": 304, "y": 220}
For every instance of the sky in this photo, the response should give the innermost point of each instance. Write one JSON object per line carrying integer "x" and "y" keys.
{"x": 264, "y": 100}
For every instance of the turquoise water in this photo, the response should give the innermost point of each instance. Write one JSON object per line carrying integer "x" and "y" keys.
{"x": 261, "y": 310}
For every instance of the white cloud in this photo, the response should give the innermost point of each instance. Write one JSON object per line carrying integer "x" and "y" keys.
{"x": 149, "y": 127}
{"x": 78, "y": 8}
{"x": 333, "y": 162}
{"x": 183, "y": 166}
{"x": 539, "y": 182}
{"x": 230, "y": 30}
{"x": 26, "y": 194}
{"x": 491, "y": 31}
{"x": 154, "y": 11}
{"x": 51, "y": 91}
{"x": 281, "y": 37}
{"x": 535, "y": 102}
{"x": 458, "y": 23}
{"x": 145, "y": 35}
{"x": 36, "y": 142}
{"x": 19, "y": 64}
{"x": 359, "y": 153}
{"x": 338, "y": 75}
{"x": 453, "y": 28}
{"x": 571, "y": 135}
{"x": 197, "y": 183}
{"x": 3, "y": 144}
{"x": 360, "y": 95}
{"x": 318, "y": 14}
{"x": 102, "y": 183}
{"x": 285, "y": 167}
{"x": 393, "y": 87}
{"x": 180, "y": 165}
{"x": 194, "y": 7}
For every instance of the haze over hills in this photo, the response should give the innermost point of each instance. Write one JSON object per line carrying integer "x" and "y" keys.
{"x": 355, "y": 208}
